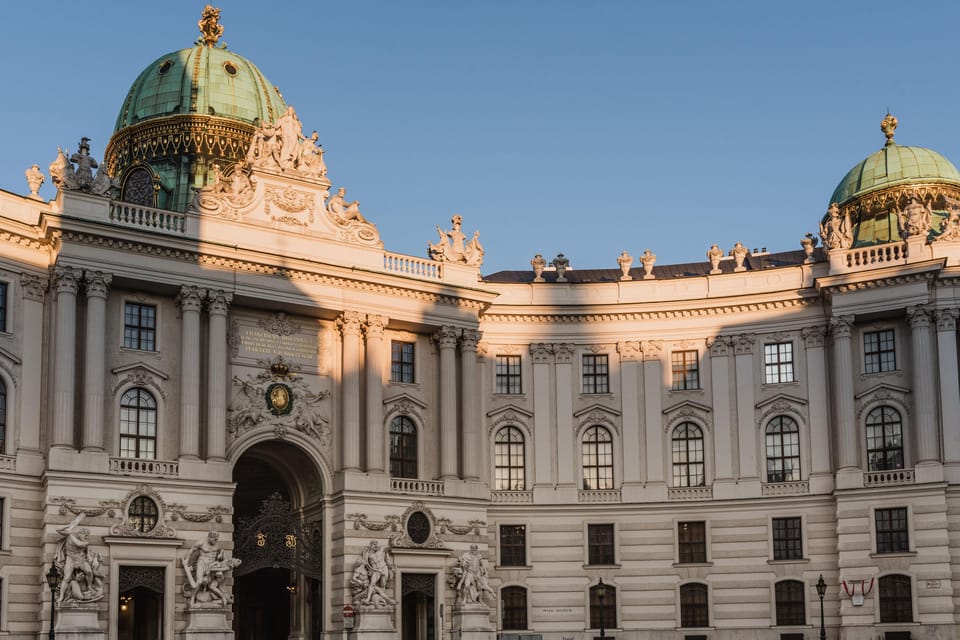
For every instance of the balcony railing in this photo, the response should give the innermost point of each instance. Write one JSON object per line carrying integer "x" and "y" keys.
{"x": 140, "y": 467}
{"x": 8, "y": 463}
{"x": 411, "y": 266}
{"x": 419, "y": 487}
{"x": 599, "y": 495}
{"x": 883, "y": 478}
{"x": 133, "y": 215}
{"x": 690, "y": 493}
{"x": 512, "y": 497}
{"x": 786, "y": 488}
{"x": 876, "y": 256}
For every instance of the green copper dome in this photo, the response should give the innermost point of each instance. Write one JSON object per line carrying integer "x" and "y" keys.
{"x": 186, "y": 116}
{"x": 203, "y": 80}
{"x": 895, "y": 165}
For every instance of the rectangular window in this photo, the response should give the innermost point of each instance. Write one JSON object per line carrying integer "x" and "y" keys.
{"x": 596, "y": 374}
{"x": 514, "y": 603}
{"x": 686, "y": 370}
{"x": 401, "y": 362}
{"x": 513, "y": 545}
{"x": 787, "y": 539}
{"x": 3, "y": 306}
{"x": 139, "y": 326}
{"x": 791, "y": 609}
{"x": 778, "y": 362}
{"x": 879, "y": 351}
{"x": 692, "y": 542}
{"x": 600, "y": 544}
{"x": 508, "y": 375}
{"x": 892, "y": 533}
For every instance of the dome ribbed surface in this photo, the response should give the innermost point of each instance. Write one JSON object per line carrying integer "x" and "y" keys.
{"x": 895, "y": 165}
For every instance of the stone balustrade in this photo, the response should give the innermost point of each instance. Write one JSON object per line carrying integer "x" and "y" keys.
{"x": 690, "y": 493}
{"x": 885, "y": 478}
{"x": 511, "y": 497}
{"x": 412, "y": 266}
{"x": 141, "y": 217}
{"x": 140, "y": 467}
{"x": 419, "y": 487}
{"x": 599, "y": 495}
{"x": 786, "y": 488}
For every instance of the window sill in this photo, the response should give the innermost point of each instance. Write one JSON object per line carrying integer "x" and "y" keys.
{"x": 680, "y": 565}
{"x": 601, "y": 394}
{"x": 397, "y": 383}
{"x": 152, "y": 352}
{"x": 796, "y": 561}
{"x": 602, "y": 566}
{"x": 508, "y": 395}
{"x": 698, "y": 391}
{"x": 694, "y": 629}
{"x": 894, "y": 554}
{"x": 513, "y": 567}
{"x": 780, "y": 385}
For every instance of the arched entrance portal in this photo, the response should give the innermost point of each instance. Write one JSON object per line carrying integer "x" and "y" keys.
{"x": 278, "y": 536}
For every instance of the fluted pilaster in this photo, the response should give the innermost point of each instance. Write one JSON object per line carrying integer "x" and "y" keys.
{"x": 32, "y": 289}
{"x": 928, "y": 435}
{"x": 375, "y": 364}
{"x": 97, "y": 287}
{"x": 190, "y": 301}
{"x": 349, "y": 325}
{"x": 446, "y": 339}
{"x": 218, "y": 302}
{"x": 848, "y": 440}
{"x": 949, "y": 381}
{"x": 471, "y": 403}
{"x": 66, "y": 282}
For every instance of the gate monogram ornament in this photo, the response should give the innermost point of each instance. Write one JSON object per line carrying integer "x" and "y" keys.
{"x": 278, "y": 537}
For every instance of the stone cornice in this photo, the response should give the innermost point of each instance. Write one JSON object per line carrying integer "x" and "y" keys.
{"x": 24, "y": 240}
{"x": 882, "y": 277}
{"x": 287, "y": 273}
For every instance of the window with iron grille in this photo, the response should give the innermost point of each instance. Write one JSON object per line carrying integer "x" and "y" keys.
{"x": 791, "y": 610}
{"x": 879, "y": 351}
{"x": 596, "y": 373}
{"x": 603, "y": 609}
{"x": 142, "y": 515}
{"x": 508, "y": 377}
{"x": 783, "y": 450}
{"x": 688, "y": 466}
{"x": 138, "y": 424}
{"x": 778, "y": 362}
{"x": 686, "y": 370}
{"x": 508, "y": 460}
{"x": 896, "y": 599}
{"x": 403, "y": 448}
{"x": 401, "y": 361}
{"x": 694, "y": 609}
{"x": 597, "y": 458}
{"x": 600, "y": 544}
{"x": 513, "y": 602}
{"x": 691, "y": 542}
{"x": 3, "y": 306}
{"x": 513, "y": 545}
{"x": 884, "y": 439}
{"x": 787, "y": 539}
{"x": 140, "y": 326}
{"x": 892, "y": 533}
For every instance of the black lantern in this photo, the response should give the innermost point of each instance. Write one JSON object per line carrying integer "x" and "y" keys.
{"x": 822, "y": 591}
{"x": 53, "y": 580}
{"x": 601, "y": 594}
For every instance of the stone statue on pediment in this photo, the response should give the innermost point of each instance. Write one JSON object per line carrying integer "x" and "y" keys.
{"x": 648, "y": 259}
{"x": 35, "y": 178}
{"x": 82, "y": 177}
{"x": 343, "y": 211}
{"x": 452, "y": 245}
{"x": 915, "y": 219}
{"x": 311, "y": 157}
{"x": 739, "y": 253}
{"x": 227, "y": 193}
{"x": 836, "y": 231}
{"x": 714, "y": 255}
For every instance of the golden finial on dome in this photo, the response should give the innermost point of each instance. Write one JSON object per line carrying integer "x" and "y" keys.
{"x": 210, "y": 25}
{"x": 888, "y": 125}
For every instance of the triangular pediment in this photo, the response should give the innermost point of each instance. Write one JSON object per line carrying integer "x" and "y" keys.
{"x": 404, "y": 398}
{"x": 882, "y": 389}
{"x": 509, "y": 408}
{"x": 781, "y": 399}
{"x": 688, "y": 405}
{"x": 9, "y": 356}
{"x": 597, "y": 408}
{"x": 139, "y": 366}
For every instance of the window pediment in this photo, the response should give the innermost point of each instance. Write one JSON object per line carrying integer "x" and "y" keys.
{"x": 685, "y": 411}
{"x": 780, "y": 404}
{"x": 597, "y": 414}
{"x": 882, "y": 394}
{"x": 509, "y": 414}
{"x": 140, "y": 374}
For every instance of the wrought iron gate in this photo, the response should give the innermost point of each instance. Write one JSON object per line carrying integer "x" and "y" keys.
{"x": 278, "y": 538}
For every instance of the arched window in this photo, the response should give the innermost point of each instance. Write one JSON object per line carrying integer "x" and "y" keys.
{"x": 688, "y": 456}
{"x": 138, "y": 424}
{"x": 508, "y": 454}
{"x": 403, "y": 448}
{"x": 603, "y": 606}
{"x": 513, "y": 604}
{"x": 597, "y": 458}
{"x": 3, "y": 417}
{"x": 783, "y": 450}
{"x": 896, "y": 599}
{"x": 138, "y": 188}
{"x": 884, "y": 439}
{"x": 791, "y": 611}
{"x": 142, "y": 514}
{"x": 694, "y": 606}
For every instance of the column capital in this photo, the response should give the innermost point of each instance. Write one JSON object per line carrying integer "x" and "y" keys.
{"x": 651, "y": 349}
{"x": 349, "y": 322}
{"x": 446, "y": 336}
{"x": 719, "y": 346}
{"x": 813, "y": 336}
{"x": 375, "y": 325}
{"x": 190, "y": 298}
{"x": 564, "y": 352}
{"x": 98, "y": 283}
{"x": 629, "y": 351}
{"x": 919, "y": 316}
{"x": 841, "y": 326}
{"x": 218, "y": 301}
{"x": 469, "y": 339}
{"x": 32, "y": 287}
{"x": 66, "y": 279}
{"x": 541, "y": 352}
{"x": 743, "y": 344}
{"x": 947, "y": 319}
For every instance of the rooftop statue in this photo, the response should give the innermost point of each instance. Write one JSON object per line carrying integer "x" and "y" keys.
{"x": 739, "y": 253}
{"x": 81, "y": 178}
{"x": 453, "y": 246}
{"x": 915, "y": 219}
{"x": 561, "y": 263}
{"x": 210, "y": 27}
{"x": 35, "y": 178}
{"x": 714, "y": 255}
{"x": 836, "y": 231}
{"x": 648, "y": 259}
{"x": 343, "y": 211}
{"x": 538, "y": 263}
{"x": 281, "y": 146}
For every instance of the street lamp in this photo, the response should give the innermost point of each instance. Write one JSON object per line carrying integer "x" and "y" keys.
{"x": 53, "y": 580}
{"x": 601, "y": 594}
{"x": 822, "y": 591}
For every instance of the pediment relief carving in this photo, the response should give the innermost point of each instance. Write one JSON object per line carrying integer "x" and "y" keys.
{"x": 139, "y": 374}
{"x": 780, "y": 404}
{"x": 404, "y": 404}
{"x": 685, "y": 411}
{"x": 882, "y": 394}
{"x": 509, "y": 414}
{"x": 597, "y": 414}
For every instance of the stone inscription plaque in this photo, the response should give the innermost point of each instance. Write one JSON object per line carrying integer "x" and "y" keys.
{"x": 254, "y": 339}
{"x": 257, "y": 342}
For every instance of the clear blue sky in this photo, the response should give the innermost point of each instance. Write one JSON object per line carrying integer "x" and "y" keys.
{"x": 586, "y": 128}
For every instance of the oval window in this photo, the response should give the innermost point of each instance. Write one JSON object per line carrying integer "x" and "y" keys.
{"x": 230, "y": 68}
{"x": 167, "y": 64}
{"x": 418, "y": 527}
{"x": 142, "y": 515}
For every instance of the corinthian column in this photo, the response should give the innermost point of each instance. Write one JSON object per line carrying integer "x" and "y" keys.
{"x": 349, "y": 324}
{"x": 543, "y": 440}
{"x": 949, "y": 382}
{"x": 93, "y": 371}
{"x": 471, "y": 403}
{"x": 848, "y": 440}
{"x": 375, "y": 367}
{"x": 66, "y": 283}
{"x": 928, "y": 435}
{"x": 190, "y": 301}
{"x": 563, "y": 372}
{"x": 33, "y": 289}
{"x": 446, "y": 338}
{"x": 218, "y": 303}
{"x": 820, "y": 449}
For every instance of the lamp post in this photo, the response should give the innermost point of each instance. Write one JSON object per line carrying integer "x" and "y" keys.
{"x": 601, "y": 594}
{"x": 53, "y": 580}
{"x": 822, "y": 591}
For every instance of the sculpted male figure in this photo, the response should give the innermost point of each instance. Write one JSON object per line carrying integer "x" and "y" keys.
{"x": 291, "y": 132}
{"x": 72, "y": 553}
{"x": 343, "y": 210}
{"x": 202, "y": 556}
{"x": 374, "y": 560}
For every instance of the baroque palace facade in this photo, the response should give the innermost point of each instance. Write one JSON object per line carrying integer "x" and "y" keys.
{"x": 196, "y": 337}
